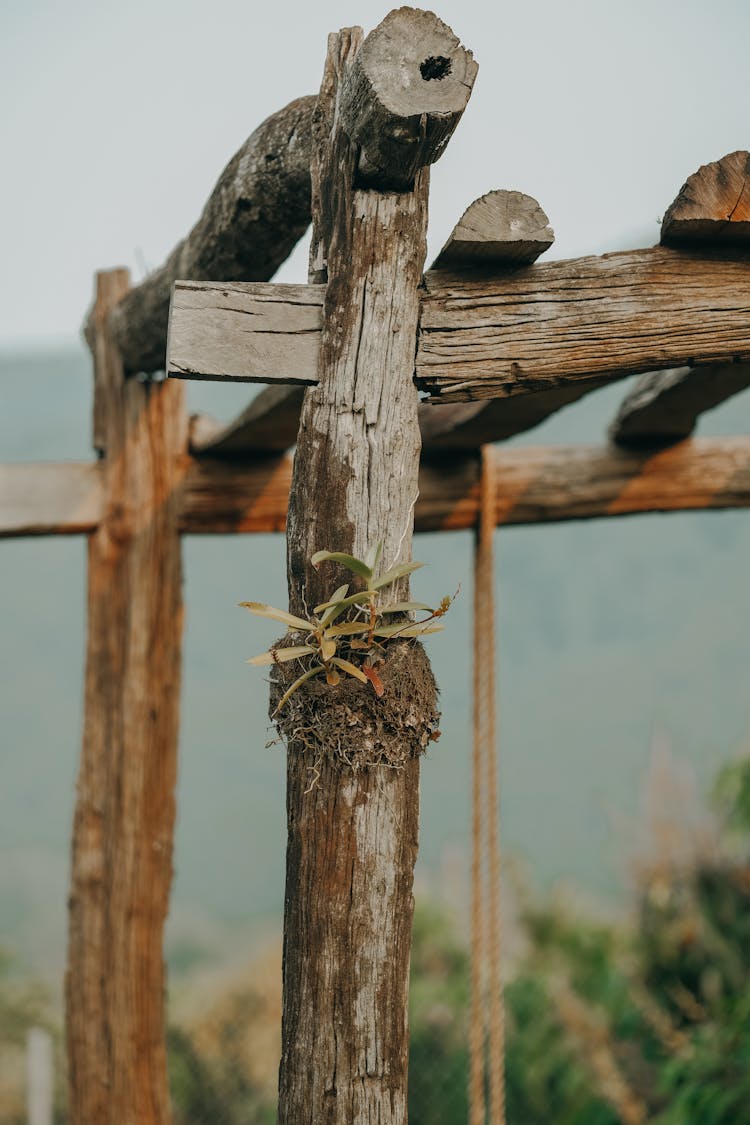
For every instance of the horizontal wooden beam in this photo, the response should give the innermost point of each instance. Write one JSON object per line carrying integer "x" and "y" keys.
{"x": 253, "y": 333}
{"x": 49, "y": 499}
{"x": 538, "y": 484}
{"x": 581, "y": 320}
{"x": 494, "y": 334}
{"x": 664, "y": 406}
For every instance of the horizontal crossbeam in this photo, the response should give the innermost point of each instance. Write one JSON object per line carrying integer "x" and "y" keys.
{"x": 538, "y": 484}
{"x": 492, "y": 334}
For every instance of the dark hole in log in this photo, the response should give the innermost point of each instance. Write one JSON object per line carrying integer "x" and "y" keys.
{"x": 437, "y": 66}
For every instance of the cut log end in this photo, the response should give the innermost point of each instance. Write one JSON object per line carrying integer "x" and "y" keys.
{"x": 713, "y": 205}
{"x": 499, "y": 228}
{"x": 404, "y": 96}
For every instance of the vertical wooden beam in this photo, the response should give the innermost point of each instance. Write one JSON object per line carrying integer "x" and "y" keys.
{"x": 353, "y": 786}
{"x": 124, "y": 817}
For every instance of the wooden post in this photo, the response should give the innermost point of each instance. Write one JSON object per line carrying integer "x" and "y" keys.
{"x": 353, "y": 784}
{"x": 122, "y": 834}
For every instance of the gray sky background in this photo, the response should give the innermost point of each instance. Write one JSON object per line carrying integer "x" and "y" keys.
{"x": 116, "y": 120}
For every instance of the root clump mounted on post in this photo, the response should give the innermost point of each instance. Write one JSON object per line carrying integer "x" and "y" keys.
{"x": 350, "y": 724}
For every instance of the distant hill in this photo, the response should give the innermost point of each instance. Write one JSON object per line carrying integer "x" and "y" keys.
{"x": 607, "y": 631}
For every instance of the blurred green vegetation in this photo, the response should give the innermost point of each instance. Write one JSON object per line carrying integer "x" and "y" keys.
{"x": 607, "y": 1023}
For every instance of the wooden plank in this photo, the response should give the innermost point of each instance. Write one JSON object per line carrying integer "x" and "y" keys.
{"x": 49, "y": 499}
{"x": 579, "y": 322}
{"x": 124, "y": 816}
{"x": 713, "y": 205}
{"x": 582, "y": 319}
{"x": 498, "y": 229}
{"x": 256, "y": 214}
{"x": 541, "y": 484}
{"x": 664, "y": 406}
{"x": 251, "y": 333}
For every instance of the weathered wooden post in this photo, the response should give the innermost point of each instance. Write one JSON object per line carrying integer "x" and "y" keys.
{"x": 386, "y": 110}
{"x": 122, "y": 833}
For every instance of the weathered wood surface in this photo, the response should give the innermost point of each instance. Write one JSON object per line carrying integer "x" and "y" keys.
{"x": 534, "y": 329}
{"x": 404, "y": 96}
{"x": 549, "y": 484}
{"x": 258, "y": 211}
{"x": 268, "y": 425}
{"x": 664, "y": 406}
{"x": 352, "y": 835}
{"x": 252, "y": 333}
{"x": 581, "y": 319}
{"x": 713, "y": 205}
{"x": 500, "y": 228}
{"x": 124, "y": 816}
{"x": 49, "y": 499}
{"x": 540, "y": 484}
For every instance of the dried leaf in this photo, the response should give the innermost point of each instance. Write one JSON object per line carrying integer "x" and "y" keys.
{"x": 374, "y": 678}
{"x": 350, "y": 669}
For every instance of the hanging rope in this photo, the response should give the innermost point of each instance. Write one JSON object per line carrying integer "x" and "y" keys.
{"x": 487, "y": 1033}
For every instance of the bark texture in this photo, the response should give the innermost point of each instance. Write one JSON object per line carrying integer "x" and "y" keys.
{"x": 124, "y": 817}
{"x": 713, "y": 205}
{"x": 352, "y": 839}
{"x": 258, "y": 211}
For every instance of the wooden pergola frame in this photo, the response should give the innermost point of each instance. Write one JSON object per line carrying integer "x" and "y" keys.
{"x": 503, "y": 344}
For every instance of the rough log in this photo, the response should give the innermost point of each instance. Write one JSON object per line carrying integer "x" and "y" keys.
{"x": 258, "y": 211}
{"x": 352, "y": 817}
{"x": 268, "y": 425}
{"x": 580, "y": 320}
{"x": 250, "y": 333}
{"x": 124, "y": 816}
{"x": 404, "y": 96}
{"x": 713, "y": 205}
{"x": 541, "y": 484}
{"x": 664, "y": 406}
{"x": 498, "y": 229}
{"x": 49, "y": 499}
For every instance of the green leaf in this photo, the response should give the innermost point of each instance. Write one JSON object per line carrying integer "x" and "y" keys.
{"x": 348, "y": 629}
{"x": 357, "y": 566}
{"x": 372, "y": 558}
{"x": 316, "y": 670}
{"x": 350, "y": 669}
{"x": 337, "y": 608}
{"x": 338, "y": 596}
{"x": 395, "y": 572}
{"x": 410, "y": 629}
{"x": 260, "y": 609}
{"x": 282, "y": 655}
{"x": 405, "y": 607}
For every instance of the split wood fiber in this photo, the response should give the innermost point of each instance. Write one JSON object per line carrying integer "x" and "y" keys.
{"x": 124, "y": 815}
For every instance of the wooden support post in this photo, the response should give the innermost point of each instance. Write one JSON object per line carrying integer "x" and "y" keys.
{"x": 352, "y": 818}
{"x": 124, "y": 817}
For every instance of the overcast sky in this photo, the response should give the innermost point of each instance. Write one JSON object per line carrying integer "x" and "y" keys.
{"x": 116, "y": 120}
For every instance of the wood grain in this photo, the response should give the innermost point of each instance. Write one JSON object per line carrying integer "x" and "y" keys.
{"x": 580, "y": 320}
{"x": 124, "y": 816}
{"x": 251, "y": 333}
{"x": 404, "y": 96}
{"x": 664, "y": 406}
{"x": 500, "y": 228}
{"x": 256, "y": 214}
{"x": 352, "y": 835}
{"x": 713, "y": 205}
{"x": 50, "y": 499}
